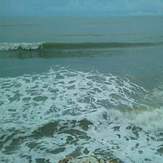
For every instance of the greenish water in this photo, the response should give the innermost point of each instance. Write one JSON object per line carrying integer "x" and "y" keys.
{"x": 81, "y": 86}
{"x": 81, "y": 29}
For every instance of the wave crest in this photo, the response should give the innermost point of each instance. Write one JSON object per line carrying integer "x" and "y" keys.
{"x": 65, "y": 45}
{"x": 16, "y": 46}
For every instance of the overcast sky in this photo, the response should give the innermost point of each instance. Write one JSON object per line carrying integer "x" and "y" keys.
{"x": 80, "y": 7}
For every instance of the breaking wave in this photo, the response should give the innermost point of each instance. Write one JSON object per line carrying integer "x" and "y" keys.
{"x": 16, "y": 46}
{"x": 48, "y": 45}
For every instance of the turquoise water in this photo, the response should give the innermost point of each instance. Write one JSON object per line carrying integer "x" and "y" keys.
{"x": 81, "y": 86}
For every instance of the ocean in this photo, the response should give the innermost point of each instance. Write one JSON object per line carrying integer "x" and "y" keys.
{"x": 78, "y": 86}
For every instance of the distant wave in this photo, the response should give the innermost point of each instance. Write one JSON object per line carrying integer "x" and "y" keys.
{"x": 15, "y": 46}
{"x": 47, "y": 45}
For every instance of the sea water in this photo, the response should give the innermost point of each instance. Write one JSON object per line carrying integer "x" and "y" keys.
{"x": 81, "y": 86}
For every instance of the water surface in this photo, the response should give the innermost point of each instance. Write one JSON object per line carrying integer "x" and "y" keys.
{"x": 81, "y": 86}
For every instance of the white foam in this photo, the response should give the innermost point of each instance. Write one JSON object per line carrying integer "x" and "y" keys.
{"x": 63, "y": 95}
{"x": 64, "y": 91}
{"x": 14, "y": 46}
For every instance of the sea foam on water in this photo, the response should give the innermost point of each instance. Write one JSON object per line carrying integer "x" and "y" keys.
{"x": 72, "y": 113}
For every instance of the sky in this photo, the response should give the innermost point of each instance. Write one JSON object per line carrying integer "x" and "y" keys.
{"x": 80, "y": 7}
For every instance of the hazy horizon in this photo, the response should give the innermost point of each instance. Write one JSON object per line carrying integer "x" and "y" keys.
{"x": 80, "y": 8}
